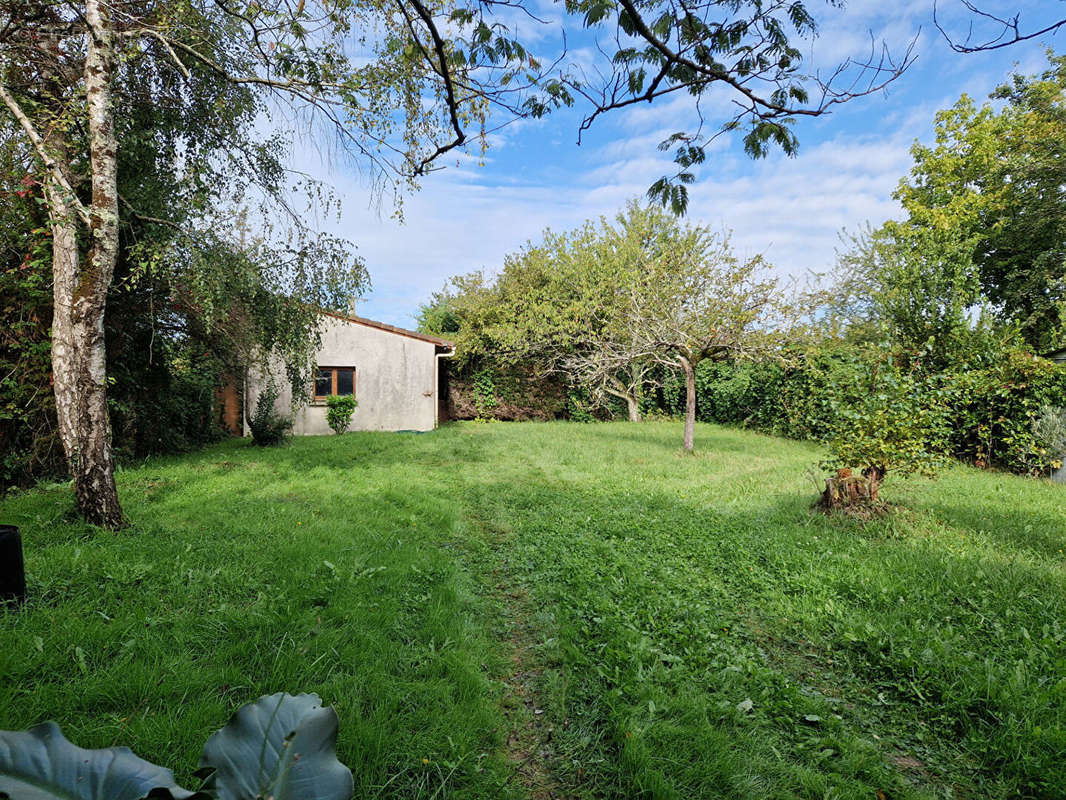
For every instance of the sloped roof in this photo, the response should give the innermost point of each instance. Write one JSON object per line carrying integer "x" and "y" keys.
{"x": 370, "y": 323}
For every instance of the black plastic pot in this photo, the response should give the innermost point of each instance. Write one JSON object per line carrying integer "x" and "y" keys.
{"x": 12, "y": 567}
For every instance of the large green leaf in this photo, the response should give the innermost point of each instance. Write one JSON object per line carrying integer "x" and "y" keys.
{"x": 41, "y": 764}
{"x": 282, "y": 747}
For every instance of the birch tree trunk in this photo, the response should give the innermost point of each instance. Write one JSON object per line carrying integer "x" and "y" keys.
{"x": 80, "y": 293}
{"x": 690, "y": 403}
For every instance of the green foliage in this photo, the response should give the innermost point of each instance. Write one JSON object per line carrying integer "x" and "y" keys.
{"x": 991, "y": 187}
{"x": 268, "y": 426}
{"x": 994, "y": 408}
{"x": 339, "y": 410}
{"x": 897, "y": 426}
{"x": 578, "y": 406}
{"x": 29, "y": 443}
{"x": 437, "y": 317}
{"x": 926, "y": 289}
{"x": 991, "y": 402}
{"x": 801, "y": 396}
{"x": 281, "y": 746}
{"x": 484, "y": 393}
{"x": 195, "y": 297}
{"x": 486, "y": 390}
{"x": 609, "y": 307}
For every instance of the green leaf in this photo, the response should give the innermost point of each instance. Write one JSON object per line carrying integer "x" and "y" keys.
{"x": 41, "y": 764}
{"x": 281, "y": 746}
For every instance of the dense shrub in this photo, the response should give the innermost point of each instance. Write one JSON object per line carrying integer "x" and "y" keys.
{"x": 484, "y": 393}
{"x": 267, "y": 425}
{"x": 990, "y": 410}
{"x": 994, "y": 409}
{"x": 505, "y": 393}
{"x": 29, "y": 442}
{"x": 991, "y": 403}
{"x": 801, "y": 398}
{"x": 339, "y": 410}
{"x": 898, "y": 425}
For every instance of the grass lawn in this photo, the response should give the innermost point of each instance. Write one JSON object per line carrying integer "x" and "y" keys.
{"x": 560, "y": 610}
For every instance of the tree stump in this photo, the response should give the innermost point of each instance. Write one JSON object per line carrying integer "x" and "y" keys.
{"x": 848, "y": 492}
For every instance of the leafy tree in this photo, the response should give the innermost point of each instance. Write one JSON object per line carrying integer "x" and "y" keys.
{"x": 922, "y": 289}
{"x": 547, "y": 309}
{"x": 748, "y": 50}
{"x": 689, "y": 298}
{"x": 79, "y": 81}
{"x": 991, "y": 191}
{"x": 612, "y": 305}
{"x": 567, "y": 295}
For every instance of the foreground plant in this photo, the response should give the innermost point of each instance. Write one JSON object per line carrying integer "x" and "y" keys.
{"x": 897, "y": 426}
{"x": 281, "y": 746}
{"x": 339, "y": 411}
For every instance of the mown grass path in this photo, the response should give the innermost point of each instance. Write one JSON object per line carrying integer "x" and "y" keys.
{"x": 685, "y": 625}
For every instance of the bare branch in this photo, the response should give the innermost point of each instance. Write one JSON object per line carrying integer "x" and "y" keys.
{"x": 1009, "y": 30}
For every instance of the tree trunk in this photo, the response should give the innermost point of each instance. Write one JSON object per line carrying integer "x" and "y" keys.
{"x": 853, "y": 493}
{"x": 690, "y": 404}
{"x": 633, "y": 407}
{"x": 623, "y": 392}
{"x": 874, "y": 475}
{"x": 80, "y": 294}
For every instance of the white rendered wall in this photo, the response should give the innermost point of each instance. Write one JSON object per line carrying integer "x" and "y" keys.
{"x": 395, "y": 380}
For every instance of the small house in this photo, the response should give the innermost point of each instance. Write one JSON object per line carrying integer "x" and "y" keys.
{"x": 396, "y": 376}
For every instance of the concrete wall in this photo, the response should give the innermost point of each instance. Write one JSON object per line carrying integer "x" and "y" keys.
{"x": 395, "y": 380}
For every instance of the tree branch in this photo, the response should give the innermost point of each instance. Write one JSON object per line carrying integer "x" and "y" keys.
{"x": 1009, "y": 34}
{"x": 42, "y": 152}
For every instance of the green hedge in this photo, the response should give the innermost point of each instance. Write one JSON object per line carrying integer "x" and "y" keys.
{"x": 993, "y": 409}
{"x": 990, "y": 410}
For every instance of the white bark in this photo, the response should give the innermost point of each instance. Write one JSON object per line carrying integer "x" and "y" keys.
{"x": 79, "y": 364}
{"x": 623, "y": 392}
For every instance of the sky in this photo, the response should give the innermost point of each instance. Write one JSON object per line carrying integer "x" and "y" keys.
{"x": 535, "y": 176}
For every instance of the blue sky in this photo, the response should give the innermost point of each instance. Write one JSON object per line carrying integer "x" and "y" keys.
{"x": 468, "y": 217}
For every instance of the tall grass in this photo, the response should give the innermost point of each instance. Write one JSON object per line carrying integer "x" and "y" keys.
{"x": 691, "y": 627}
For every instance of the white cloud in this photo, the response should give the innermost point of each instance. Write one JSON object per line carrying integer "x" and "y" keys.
{"x": 789, "y": 209}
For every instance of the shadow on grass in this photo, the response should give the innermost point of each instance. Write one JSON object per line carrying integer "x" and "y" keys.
{"x": 1023, "y": 528}
{"x": 350, "y": 451}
